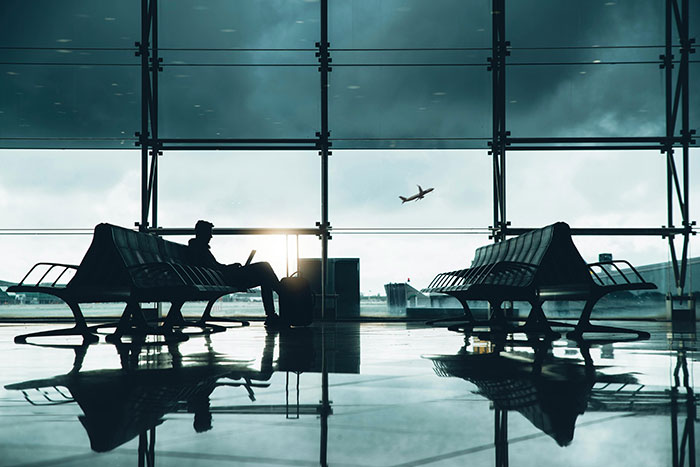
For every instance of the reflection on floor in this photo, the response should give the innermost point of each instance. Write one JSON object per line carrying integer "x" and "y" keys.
{"x": 370, "y": 394}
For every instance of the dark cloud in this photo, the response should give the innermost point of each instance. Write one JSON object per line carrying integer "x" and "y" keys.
{"x": 365, "y": 102}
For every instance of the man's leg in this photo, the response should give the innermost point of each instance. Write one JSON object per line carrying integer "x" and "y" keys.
{"x": 263, "y": 274}
{"x": 268, "y": 300}
{"x": 254, "y": 275}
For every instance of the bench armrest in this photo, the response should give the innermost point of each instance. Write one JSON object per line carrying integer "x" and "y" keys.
{"x": 48, "y": 268}
{"x": 609, "y": 273}
{"x": 40, "y": 397}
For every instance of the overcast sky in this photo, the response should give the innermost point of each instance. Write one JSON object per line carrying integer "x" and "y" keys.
{"x": 50, "y": 189}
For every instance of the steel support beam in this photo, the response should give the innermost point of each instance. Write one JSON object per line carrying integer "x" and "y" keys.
{"x": 593, "y": 139}
{"x": 237, "y": 148}
{"x": 324, "y": 148}
{"x": 325, "y": 409}
{"x": 238, "y": 140}
{"x": 143, "y": 52}
{"x": 155, "y": 148}
{"x": 497, "y": 66}
{"x": 679, "y": 136}
{"x": 629, "y": 147}
{"x": 238, "y": 231}
{"x": 610, "y": 231}
{"x": 500, "y": 436}
{"x": 148, "y": 136}
{"x": 683, "y": 446}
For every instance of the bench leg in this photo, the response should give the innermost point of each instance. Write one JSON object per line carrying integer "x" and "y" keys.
{"x": 585, "y": 349}
{"x": 174, "y": 316}
{"x": 80, "y": 329}
{"x": 88, "y": 336}
{"x": 500, "y": 435}
{"x": 175, "y": 319}
{"x": 468, "y": 318}
{"x": 206, "y": 316}
{"x": 132, "y": 322}
{"x": 496, "y": 321}
{"x": 537, "y": 322}
{"x": 467, "y": 311}
{"x": 584, "y": 325}
{"x": 128, "y": 354}
{"x": 498, "y": 318}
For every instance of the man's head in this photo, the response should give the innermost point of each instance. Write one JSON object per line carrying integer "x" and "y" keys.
{"x": 203, "y": 229}
{"x": 202, "y": 420}
{"x": 199, "y": 405}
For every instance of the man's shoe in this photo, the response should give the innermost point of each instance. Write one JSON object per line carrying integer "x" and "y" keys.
{"x": 273, "y": 321}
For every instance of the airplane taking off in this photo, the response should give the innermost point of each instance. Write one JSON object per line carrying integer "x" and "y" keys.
{"x": 420, "y": 195}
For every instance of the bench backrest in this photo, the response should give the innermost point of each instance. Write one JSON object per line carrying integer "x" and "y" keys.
{"x": 550, "y": 249}
{"x": 115, "y": 249}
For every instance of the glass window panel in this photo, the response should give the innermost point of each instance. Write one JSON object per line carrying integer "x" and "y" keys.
{"x": 409, "y": 23}
{"x": 593, "y": 100}
{"x": 69, "y": 23}
{"x": 243, "y": 24}
{"x": 403, "y": 259}
{"x": 547, "y": 23}
{"x": 365, "y": 187}
{"x": 51, "y": 189}
{"x": 590, "y": 189}
{"x": 416, "y": 106}
{"x": 65, "y": 106}
{"x": 239, "y": 102}
{"x": 239, "y": 189}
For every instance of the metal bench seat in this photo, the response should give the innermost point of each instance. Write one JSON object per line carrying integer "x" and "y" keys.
{"x": 540, "y": 265}
{"x": 123, "y": 265}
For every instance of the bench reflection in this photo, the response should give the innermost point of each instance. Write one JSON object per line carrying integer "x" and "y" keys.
{"x": 124, "y": 403}
{"x": 551, "y": 392}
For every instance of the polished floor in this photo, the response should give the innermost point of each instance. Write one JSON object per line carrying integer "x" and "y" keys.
{"x": 350, "y": 394}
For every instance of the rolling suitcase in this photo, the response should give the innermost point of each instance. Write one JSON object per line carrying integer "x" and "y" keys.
{"x": 296, "y": 301}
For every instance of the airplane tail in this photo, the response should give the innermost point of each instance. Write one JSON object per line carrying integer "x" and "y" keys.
{"x": 403, "y": 200}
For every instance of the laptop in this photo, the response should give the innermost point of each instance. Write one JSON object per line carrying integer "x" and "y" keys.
{"x": 250, "y": 257}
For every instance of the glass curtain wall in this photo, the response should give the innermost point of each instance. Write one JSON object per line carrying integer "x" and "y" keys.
{"x": 410, "y": 102}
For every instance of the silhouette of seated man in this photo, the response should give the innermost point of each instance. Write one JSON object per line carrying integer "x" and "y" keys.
{"x": 246, "y": 276}
{"x": 199, "y": 405}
